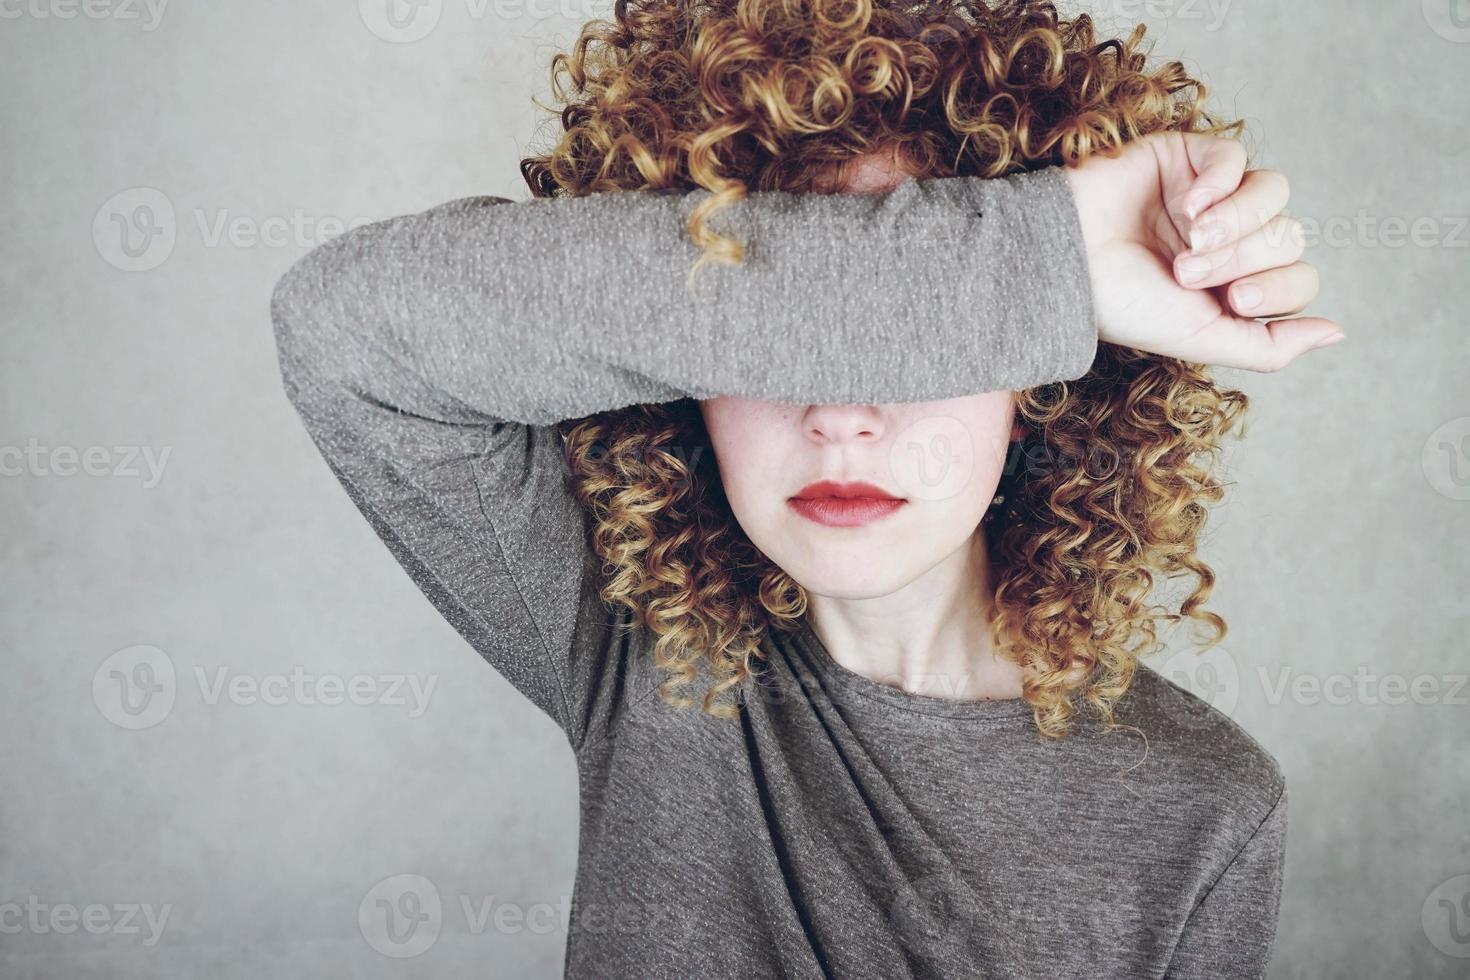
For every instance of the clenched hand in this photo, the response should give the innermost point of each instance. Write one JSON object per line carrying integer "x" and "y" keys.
{"x": 1191, "y": 255}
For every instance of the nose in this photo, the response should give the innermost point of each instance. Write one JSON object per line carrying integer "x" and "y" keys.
{"x": 842, "y": 423}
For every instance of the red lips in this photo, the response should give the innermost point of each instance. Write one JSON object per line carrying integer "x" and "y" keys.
{"x": 844, "y": 504}
{"x": 826, "y": 489}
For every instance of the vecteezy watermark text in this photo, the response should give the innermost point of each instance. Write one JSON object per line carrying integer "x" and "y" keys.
{"x": 1212, "y": 12}
{"x": 402, "y": 916}
{"x": 149, "y": 12}
{"x": 120, "y": 918}
{"x": 407, "y": 21}
{"x": 137, "y": 688}
{"x": 122, "y": 462}
{"x": 137, "y": 229}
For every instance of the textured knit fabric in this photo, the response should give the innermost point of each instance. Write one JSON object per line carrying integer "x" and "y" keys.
{"x": 838, "y": 827}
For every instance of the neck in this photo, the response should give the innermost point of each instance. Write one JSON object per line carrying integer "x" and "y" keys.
{"x": 932, "y": 637}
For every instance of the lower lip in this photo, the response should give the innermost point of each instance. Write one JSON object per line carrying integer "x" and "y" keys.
{"x": 844, "y": 511}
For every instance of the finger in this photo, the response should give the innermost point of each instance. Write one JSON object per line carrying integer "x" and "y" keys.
{"x": 1255, "y": 346}
{"x": 1280, "y": 243}
{"x": 1263, "y": 195}
{"x": 1276, "y": 292}
{"x": 1219, "y": 165}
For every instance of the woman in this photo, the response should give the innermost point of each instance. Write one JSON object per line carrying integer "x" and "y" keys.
{"x": 829, "y": 534}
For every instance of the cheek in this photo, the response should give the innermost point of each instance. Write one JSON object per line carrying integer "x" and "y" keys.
{"x": 950, "y": 455}
{"x": 747, "y": 450}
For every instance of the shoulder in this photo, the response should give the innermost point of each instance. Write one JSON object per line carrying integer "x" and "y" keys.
{"x": 1199, "y": 749}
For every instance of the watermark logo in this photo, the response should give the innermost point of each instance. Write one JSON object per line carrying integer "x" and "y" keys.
{"x": 1445, "y": 916}
{"x": 135, "y": 230}
{"x": 933, "y": 458}
{"x": 1212, "y": 676}
{"x": 1446, "y": 459}
{"x": 401, "y": 916}
{"x": 1450, "y": 19}
{"x": 135, "y": 687}
{"x": 401, "y": 21}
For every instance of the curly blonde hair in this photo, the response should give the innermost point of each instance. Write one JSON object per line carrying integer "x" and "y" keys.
{"x": 1106, "y": 494}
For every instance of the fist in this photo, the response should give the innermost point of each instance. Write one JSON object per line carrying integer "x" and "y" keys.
{"x": 1191, "y": 255}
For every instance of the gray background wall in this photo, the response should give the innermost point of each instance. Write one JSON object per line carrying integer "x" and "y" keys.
{"x": 263, "y": 818}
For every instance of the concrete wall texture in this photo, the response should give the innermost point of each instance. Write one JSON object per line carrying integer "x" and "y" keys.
{"x": 167, "y": 523}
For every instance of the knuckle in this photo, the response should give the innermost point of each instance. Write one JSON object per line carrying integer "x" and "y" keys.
{"x": 1311, "y": 277}
{"x": 1292, "y": 234}
{"x": 1278, "y": 181}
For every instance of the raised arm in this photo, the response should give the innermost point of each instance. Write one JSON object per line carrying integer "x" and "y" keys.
{"x": 428, "y": 356}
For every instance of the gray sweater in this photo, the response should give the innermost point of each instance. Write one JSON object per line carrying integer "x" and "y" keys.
{"x": 838, "y": 827}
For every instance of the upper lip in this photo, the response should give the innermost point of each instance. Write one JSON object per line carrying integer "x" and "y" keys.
{"x": 831, "y": 488}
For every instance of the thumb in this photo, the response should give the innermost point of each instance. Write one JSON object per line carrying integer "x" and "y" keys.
{"x": 1255, "y": 346}
{"x": 1219, "y": 165}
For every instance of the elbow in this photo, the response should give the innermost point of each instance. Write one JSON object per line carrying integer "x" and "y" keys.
{"x": 293, "y": 300}
{"x": 305, "y": 347}
{"x": 286, "y": 327}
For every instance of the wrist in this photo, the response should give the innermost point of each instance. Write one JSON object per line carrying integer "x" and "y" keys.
{"x": 1085, "y": 200}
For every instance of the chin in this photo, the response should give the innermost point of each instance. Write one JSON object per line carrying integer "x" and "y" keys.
{"x": 847, "y": 574}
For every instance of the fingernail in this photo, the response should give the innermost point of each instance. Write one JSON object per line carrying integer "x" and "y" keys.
{"x": 1193, "y": 269}
{"x": 1196, "y": 203}
{"x": 1328, "y": 341}
{"x": 1248, "y": 297}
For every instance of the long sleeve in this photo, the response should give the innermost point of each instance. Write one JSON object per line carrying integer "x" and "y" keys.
{"x": 1232, "y": 930}
{"x": 429, "y": 355}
